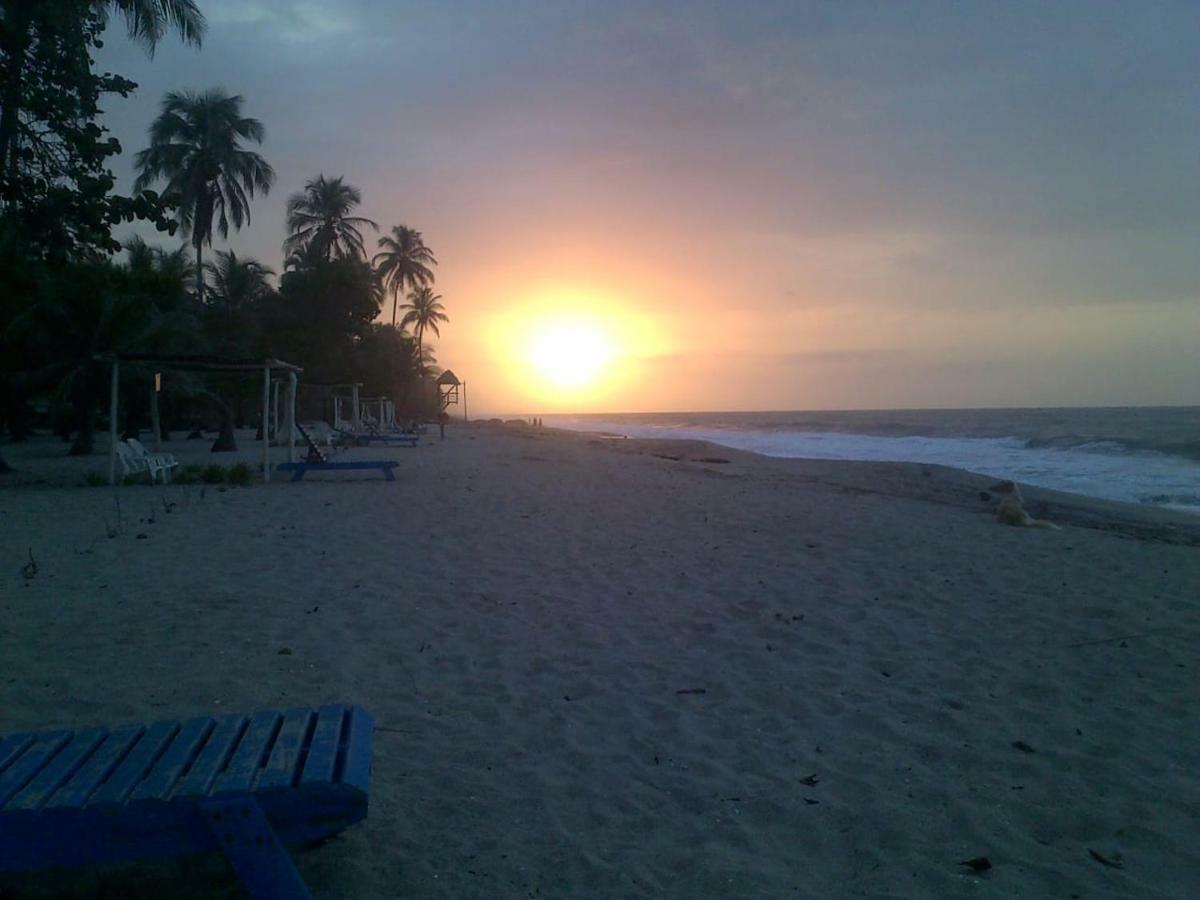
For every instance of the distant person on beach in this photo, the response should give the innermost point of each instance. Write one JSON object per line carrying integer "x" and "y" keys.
{"x": 442, "y": 420}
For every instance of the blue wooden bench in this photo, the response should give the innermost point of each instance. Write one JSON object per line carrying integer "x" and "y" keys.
{"x": 300, "y": 469}
{"x": 244, "y": 785}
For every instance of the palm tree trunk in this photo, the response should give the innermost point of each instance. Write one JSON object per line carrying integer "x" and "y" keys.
{"x": 16, "y": 46}
{"x": 395, "y": 298}
{"x": 420, "y": 351}
{"x": 199, "y": 244}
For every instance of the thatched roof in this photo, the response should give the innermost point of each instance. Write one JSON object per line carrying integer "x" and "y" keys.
{"x": 448, "y": 377}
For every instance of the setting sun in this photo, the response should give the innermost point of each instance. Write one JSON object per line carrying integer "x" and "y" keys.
{"x": 572, "y": 346}
{"x": 570, "y": 354}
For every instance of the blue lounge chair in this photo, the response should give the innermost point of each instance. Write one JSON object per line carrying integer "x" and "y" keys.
{"x": 318, "y": 461}
{"x": 244, "y": 785}
{"x": 299, "y": 469}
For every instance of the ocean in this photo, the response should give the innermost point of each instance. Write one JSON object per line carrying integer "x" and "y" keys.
{"x": 1147, "y": 455}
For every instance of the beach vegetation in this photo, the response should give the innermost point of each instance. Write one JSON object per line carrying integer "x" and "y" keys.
{"x": 319, "y": 220}
{"x": 239, "y": 474}
{"x": 403, "y": 263}
{"x": 424, "y": 310}
{"x": 213, "y": 474}
{"x": 56, "y": 190}
{"x": 67, "y": 300}
{"x": 93, "y": 478}
{"x": 196, "y": 147}
{"x": 188, "y": 474}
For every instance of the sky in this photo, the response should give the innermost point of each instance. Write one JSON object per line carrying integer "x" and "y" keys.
{"x": 748, "y": 205}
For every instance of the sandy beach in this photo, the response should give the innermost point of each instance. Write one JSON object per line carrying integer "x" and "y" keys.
{"x": 618, "y": 668}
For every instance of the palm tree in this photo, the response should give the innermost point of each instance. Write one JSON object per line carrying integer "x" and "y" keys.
{"x": 424, "y": 310}
{"x": 147, "y": 21}
{"x": 238, "y": 283}
{"x": 195, "y": 145}
{"x": 405, "y": 261}
{"x": 318, "y": 218}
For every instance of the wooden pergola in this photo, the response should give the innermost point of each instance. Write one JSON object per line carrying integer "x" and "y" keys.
{"x": 204, "y": 364}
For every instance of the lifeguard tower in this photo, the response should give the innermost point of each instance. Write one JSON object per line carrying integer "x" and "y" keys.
{"x": 448, "y": 392}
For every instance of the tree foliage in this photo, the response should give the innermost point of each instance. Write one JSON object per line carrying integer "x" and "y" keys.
{"x": 319, "y": 221}
{"x": 403, "y": 263}
{"x": 196, "y": 148}
{"x": 55, "y": 184}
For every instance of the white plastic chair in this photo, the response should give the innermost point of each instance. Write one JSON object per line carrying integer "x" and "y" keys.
{"x": 156, "y": 463}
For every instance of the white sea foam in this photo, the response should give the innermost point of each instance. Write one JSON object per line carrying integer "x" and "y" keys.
{"x": 1105, "y": 469}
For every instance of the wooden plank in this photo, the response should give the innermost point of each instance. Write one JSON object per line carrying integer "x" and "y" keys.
{"x": 356, "y": 750}
{"x": 174, "y": 761}
{"x": 24, "y": 769}
{"x": 98, "y": 767}
{"x": 81, "y": 746}
{"x": 283, "y": 768}
{"x": 217, "y": 750}
{"x": 251, "y": 755}
{"x": 245, "y": 836}
{"x": 133, "y": 768}
{"x": 13, "y": 746}
{"x": 323, "y": 750}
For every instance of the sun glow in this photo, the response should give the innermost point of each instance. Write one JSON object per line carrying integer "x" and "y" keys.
{"x": 571, "y": 347}
{"x": 570, "y": 354}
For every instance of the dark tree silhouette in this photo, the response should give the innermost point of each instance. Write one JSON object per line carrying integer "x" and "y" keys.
{"x": 423, "y": 311}
{"x": 404, "y": 263}
{"x": 319, "y": 220}
{"x": 196, "y": 147}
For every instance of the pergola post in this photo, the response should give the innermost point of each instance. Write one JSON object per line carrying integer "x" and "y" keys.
{"x": 357, "y": 410}
{"x": 464, "y": 387}
{"x": 266, "y": 410}
{"x": 154, "y": 420}
{"x": 290, "y": 421}
{"x": 276, "y": 390}
{"x": 112, "y": 424}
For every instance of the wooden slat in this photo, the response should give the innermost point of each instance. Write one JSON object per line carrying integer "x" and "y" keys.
{"x": 356, "y": 752}
{"x": 35, "y": 794}
{"x": 31, "y": 762}
{"x": 98, "y": 767}
{"x": 217, "y": 750}
{"x": 251, "y": 755}
{"x": 136, "y": 764}
{"x": 13, "y": 746}
{"x": 322, "y": 752}
{"x": 283, "y": 768}
{"x": 161, "y": 779}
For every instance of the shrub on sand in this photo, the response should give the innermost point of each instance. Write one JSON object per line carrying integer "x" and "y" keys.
{"x": 240, "y": 474}
{"x": 213, "y": 474}
{"x": 189, "y": 474}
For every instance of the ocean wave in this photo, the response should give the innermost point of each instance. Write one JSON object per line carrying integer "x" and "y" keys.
{"x": 1078, "y": 464}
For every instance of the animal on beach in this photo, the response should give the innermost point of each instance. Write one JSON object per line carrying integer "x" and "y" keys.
{"x": 1012, "y": 512}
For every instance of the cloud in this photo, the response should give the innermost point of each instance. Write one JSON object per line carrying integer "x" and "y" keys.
{"x": 290, "y": 21}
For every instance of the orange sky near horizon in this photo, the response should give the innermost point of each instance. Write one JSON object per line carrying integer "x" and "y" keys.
{"x": 758, "y": 206}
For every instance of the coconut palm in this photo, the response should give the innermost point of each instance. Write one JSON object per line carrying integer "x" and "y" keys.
{"x": 196, "y": 146}
{"x": 318, "y": 218}
{"x": 423, "y": 311}
{"x": 404, "y": 262}
{"x": 238, "y": 283}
